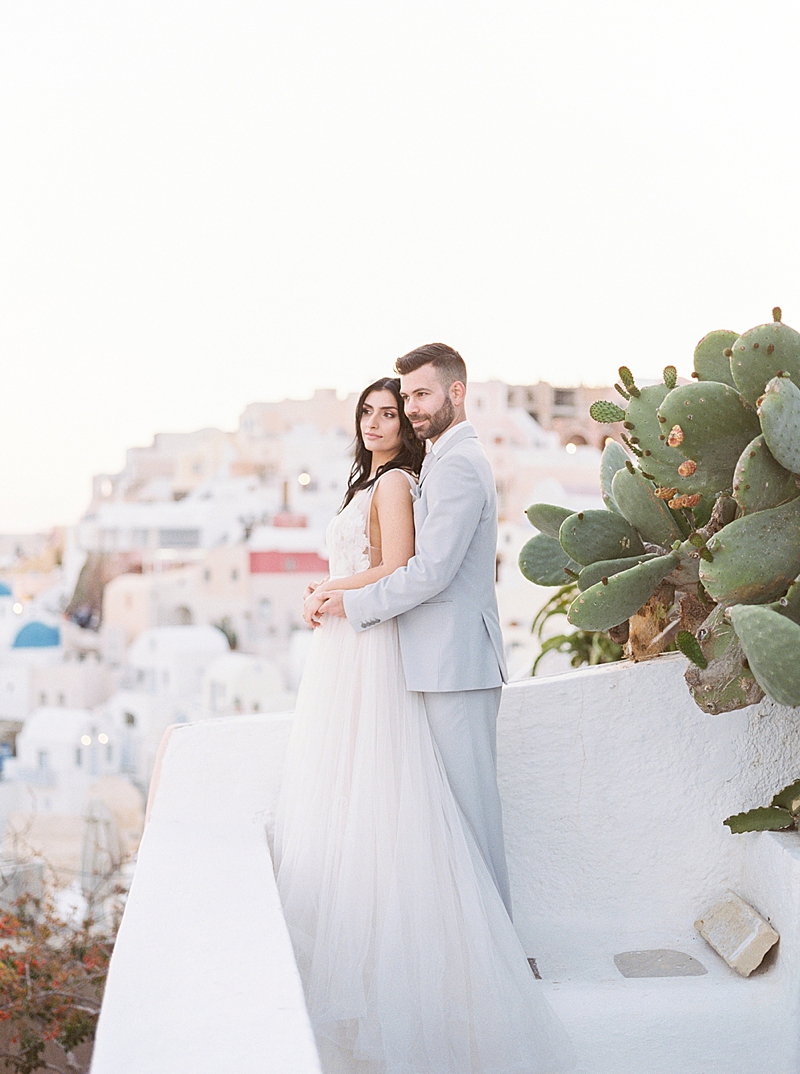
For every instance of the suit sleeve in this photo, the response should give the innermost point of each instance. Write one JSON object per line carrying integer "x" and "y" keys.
{"x": 457, "y": 499}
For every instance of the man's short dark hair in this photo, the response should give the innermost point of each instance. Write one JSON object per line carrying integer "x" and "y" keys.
{"x": 448, "y": 363}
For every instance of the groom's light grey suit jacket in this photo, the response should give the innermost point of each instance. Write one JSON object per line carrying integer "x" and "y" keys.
{"x": 444, "y": 599}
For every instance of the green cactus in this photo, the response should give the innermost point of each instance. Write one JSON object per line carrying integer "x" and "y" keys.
{"x": 613, "y": 459}
{"x": 711, "y": 362}
{"x": 782, "y": 813}
{"x": 771, "y": 643}
{"x": 544, "y": 562}
{"x": 605, "y": 568}
{"x": 635, "y": 496}
{"x": 710, "y": 425}
{"x": 754, "y": 558}
{"x": 656, "y": 457}
{"x": 788, "y": 605}
{"x": 606, "y": 413}
{"x": 614, "y": 599}
{"x": 591, "y": 535}
{"x": 690, "y": 647}
{"x": 642, "y": 430}
{"x": 761, "y": 819}
{"x": 547, "y": 518}
{"x": 759, "y": 482}
{"x": 726, "y": 683}
{"x": 761, "y": 353}
{"x": 779, "y": 411}
{"x": 691, "y": 447}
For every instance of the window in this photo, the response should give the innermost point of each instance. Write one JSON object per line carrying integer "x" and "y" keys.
{"x": 42, "y": 698}
{"x": 234, "y": 575}
{"x": 109, "y": 752}
{"x": 564, "y": 397}
{"x": 78, "y": 757}
{"x": 130, "y": 719}
{"x": 43, "y": 759}
{"x": 62, "y": 700}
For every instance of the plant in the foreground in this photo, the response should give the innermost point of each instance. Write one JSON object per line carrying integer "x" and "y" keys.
{"x": 52, "y": 975}
{"x": 699, "y": 542}
{"x": 782, "y": 813}
{"x": 585, "y": 646}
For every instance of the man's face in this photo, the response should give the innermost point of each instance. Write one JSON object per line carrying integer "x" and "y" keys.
{"x": 428, "y": 406}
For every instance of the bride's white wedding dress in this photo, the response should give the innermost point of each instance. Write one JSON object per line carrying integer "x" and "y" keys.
{"x": 409, "y": 961}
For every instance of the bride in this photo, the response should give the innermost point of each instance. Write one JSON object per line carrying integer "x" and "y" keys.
{"x": 409, "y": 961}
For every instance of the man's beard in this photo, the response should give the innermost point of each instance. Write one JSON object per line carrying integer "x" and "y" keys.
{"x": 438, "y": 421}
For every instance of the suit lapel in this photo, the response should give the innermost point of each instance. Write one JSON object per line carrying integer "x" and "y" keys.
{"x": 465, "y": 429}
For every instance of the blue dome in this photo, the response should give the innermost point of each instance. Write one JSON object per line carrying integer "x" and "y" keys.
{"x": 37, "y": 636}
{"x": 4, "y": 590}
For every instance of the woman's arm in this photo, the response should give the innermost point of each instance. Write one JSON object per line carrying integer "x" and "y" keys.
{"x": 394, "y": 506}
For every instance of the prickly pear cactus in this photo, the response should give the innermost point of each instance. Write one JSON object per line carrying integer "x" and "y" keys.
{"x": 761, "y": 354}
{"x": 712, "y": 357}
{"x": 759, "y": 481}
{"x": 779, "y": 411}
{"x": 698, "y": 546}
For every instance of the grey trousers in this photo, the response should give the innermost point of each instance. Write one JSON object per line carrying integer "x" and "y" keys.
{"x": 464, "y": 727}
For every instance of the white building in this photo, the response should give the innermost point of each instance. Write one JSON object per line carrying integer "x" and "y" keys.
{"x": 161, "y": 686}
{"x": 237, "y": 683}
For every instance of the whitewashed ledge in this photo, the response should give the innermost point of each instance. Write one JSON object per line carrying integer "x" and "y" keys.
{"x": 614, "y": 787}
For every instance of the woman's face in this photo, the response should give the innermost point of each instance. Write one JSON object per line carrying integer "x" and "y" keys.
{"x": 380, "y": 424}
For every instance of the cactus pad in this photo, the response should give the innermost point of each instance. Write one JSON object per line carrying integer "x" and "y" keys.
{"x": 759, "y": 482}
{"x": 606, "y": 568}
{"x": 690, "y": 647}
{"x": 591, "y": 535}
{"x": 755, "y": 558}
{"x": 605, "y": 412}
{"x": 715, "y": 427}
{"x": 547, "y": 518}
{"x": 613, "y": 459}
{"x": 760, "y": 354}
{"x": 761, "y": 819}
{"x": 727, "y": 683}
{"x": 771, "y": 643}
{"x": 544, "y": 562}
{"x": 710, "y": 360}
{"x": 779, "y": 410}
{"x": 607, "y": 604}
{"x": 637, "y": 501}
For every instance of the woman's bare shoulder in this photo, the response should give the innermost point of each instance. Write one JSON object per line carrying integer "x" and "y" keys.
{"x": 394, "y": 485}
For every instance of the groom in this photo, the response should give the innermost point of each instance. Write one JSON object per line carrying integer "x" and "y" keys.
{"x": 444, "y": 598}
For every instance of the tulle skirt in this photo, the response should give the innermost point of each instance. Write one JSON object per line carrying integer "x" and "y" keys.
{"x": 409, "y": 961}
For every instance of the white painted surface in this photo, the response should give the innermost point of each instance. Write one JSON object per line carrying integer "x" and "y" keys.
{"x": 203, "y": 979}
{"x": 614, "y": 786}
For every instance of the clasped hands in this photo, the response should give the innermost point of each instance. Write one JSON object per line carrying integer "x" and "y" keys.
{"x": 322, "y": 598}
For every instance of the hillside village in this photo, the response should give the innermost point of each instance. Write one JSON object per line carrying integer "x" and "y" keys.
{"x": 177, "y": 597}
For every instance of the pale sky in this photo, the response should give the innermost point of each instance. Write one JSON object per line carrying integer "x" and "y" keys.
{"x": 207, "y": 204}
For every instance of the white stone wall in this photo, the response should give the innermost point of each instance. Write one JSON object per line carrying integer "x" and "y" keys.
{"x": 614, "y": 787}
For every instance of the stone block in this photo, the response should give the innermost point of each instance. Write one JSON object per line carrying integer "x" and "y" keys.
{"x": 737, "y": 932}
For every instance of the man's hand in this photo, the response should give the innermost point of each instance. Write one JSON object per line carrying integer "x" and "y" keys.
{"x": 333, "y": 604}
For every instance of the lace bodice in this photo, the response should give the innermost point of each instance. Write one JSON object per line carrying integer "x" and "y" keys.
{"x": 347, "y": 535}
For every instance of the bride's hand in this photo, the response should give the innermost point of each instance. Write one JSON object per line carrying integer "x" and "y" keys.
{"x": 310, "y": 589}
{"x": 311, "y": 606}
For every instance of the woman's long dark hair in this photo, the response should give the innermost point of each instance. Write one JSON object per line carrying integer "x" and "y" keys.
{"x": 409, "y": 457}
